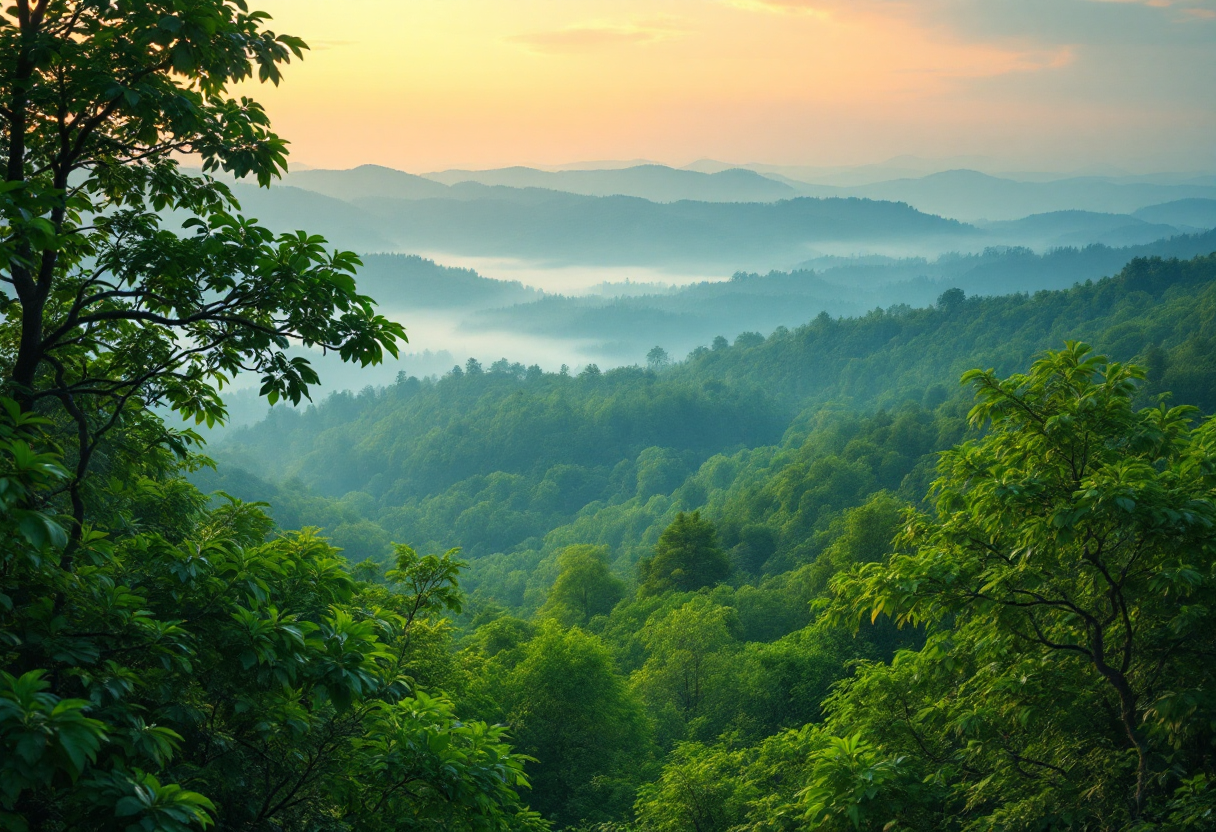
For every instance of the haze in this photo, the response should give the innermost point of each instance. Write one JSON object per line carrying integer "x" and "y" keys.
{"x": 1050, "y": 85}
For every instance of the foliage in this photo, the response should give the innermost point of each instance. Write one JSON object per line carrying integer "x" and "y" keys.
{"x": 796, "y": 721}
{"x": 165, "y": 664}
{"x": 1064, "y": 580}
{"x": 224, "y": 676}
{"x": 686, "y": 558}
{"x": 686, "y": 664}
{"x": 570, "y": 710}
{"x": 523, "y": 465}
{"x": 584, "y": 587}
{"x": 714, "y": 788}
{"x": 109, "y": 313}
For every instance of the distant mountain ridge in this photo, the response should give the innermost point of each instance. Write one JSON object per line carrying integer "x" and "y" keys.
{"x": 631, "y": 231}
{"x": 970, "y": 195}
{"x": 962, "y": 194}
{"x": 560, "y": 228}
{"x": 408, "y": 281}
{"x": 366, "y": 181}
{"x": 1192, "y": 213}
{"x": 1058, "y": 229}
{"x": 657, "y": 183}
{"x": 379, "y": 209}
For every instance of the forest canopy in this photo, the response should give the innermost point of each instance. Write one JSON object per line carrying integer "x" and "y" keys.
{"x": 794, "y": 581}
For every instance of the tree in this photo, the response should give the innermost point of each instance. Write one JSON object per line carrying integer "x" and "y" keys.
{"x": 719, "y": 787}
{"x": 1063, "y": 579}
{"x": 584, "y": 587}
{"x": 111, "y": 313}
{"x": 657, "y": 359}
{"x": 757, "y": 543}
{"x": 686, "y": 557}
{"x": 865, "y": 537}
{"x": 685, "y": 666}
{"x": 696, "y": 792}
{"x": 571, "y": 711}
{"x": 223, "y": 677}
{"x": 165, "y": 665}
{"x": 951, "y": 300}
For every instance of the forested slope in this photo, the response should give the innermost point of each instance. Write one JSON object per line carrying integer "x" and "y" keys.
{"x": 496, "y": 459}
{"x": 667, "y": 565}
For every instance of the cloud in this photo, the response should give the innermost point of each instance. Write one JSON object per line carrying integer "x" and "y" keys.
{"x": 322, "y": 45}
{"x": 1182, "y": 9}
{"x": 1054, "y": 21}
{"x": 583, "y": 37}
{"x": 925, "y": 39}
{"x": 782, "y": 6}
{"x": 831, "y": 8}
{"x": 1156, "y": 4}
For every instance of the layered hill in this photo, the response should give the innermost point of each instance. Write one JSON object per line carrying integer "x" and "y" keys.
{"x": 501, "y": 458}
{"x": 657, "y": 183}
{"x": 561, "y": 228}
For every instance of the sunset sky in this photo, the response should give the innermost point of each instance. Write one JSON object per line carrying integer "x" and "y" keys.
{"x": 1031, "y": 84}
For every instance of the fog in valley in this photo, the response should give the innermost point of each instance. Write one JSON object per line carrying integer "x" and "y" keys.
{"x": 578, "y": 267}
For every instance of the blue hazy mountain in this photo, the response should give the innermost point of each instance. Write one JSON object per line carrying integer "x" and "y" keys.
{"x": 366, "y": 181}
{"x": 561, "y": 228}
{"x": 657, "y": 183}
{"x": 1183, "y": 213}
{"x": 694, "y": 314}
{"x": 1081, "y": 228}
{"x": 409, "y": 281}
{"x": 970, "y": 195}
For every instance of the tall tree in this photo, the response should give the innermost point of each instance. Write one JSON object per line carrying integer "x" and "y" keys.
{"x": 686, "y": 558}
{"x": 108, "y": 312}
{"x": 165, "y": 666}
{"x": 584, "y": 587}
{"x": 687, "y": 666}
{"x": 1065, "y": 579}
{"x": 571, "y": 710}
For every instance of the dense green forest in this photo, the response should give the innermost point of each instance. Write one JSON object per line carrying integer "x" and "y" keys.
{"x": 795, "y": 581}
{"x": 501, "y": 458}
{"x": 691, "y": 625}
{"x": 683, "y": 535}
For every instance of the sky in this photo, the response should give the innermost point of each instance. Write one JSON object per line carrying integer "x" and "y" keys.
{"x": 1052, "y": 85}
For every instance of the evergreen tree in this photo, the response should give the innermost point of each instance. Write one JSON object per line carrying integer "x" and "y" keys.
{"x": 687, "y": 557}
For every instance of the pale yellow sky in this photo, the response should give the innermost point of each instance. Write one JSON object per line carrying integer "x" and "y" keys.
{"x": 427, "y": 84}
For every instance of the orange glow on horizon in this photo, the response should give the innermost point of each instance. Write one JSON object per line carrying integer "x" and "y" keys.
{"x": 422, "y": 85}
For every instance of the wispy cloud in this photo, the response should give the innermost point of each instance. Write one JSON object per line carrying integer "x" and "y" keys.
{"x": 782, "y": 6}
{"x": 322, "y": 45}
{"x": 583, "y": 37}
{"x": 1183, "y": 9}
{"x": 1156, "y": 4}
{"x": 825, "y": 8}
{"x": 923, "y": 40}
